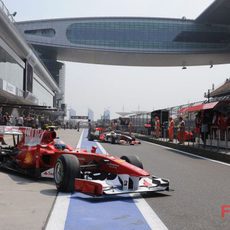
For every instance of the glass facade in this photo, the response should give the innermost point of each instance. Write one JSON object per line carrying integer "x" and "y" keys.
{"x": 41, "y": 92}
{"x": 148, "y": 35}
{"x": 10, "y": 70}
{"x": 41, "y": 32}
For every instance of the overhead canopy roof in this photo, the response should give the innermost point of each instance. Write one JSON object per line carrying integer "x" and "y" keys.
{"x": 223, "y": 90}
{"x": 123, "y": 114}
{"x": 199, "y": 107}
{"x": 217, "y": 13}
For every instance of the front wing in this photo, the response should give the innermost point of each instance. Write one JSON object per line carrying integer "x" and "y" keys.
{"x": 121, "y": 185}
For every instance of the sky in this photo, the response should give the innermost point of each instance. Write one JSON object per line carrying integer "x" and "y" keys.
{"x": 124, "y": 88}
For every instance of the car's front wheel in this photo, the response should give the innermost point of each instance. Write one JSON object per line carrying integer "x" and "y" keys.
{"x": 66, "y": 169}
{"x": 134, "y": 160}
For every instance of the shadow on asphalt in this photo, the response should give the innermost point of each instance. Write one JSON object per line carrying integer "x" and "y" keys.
{"x": 156, "y": 194}
{"x": 103, "y": 199}
{"x": 184, "y": 154}
{"x": 25, "y": 179}
{"x": 125, "y": 197}
{"x": 49, "y": 192}
{"x": 21, "y": 179}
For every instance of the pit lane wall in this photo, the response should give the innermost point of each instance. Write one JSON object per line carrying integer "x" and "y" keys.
{"x": 193, "y": 148}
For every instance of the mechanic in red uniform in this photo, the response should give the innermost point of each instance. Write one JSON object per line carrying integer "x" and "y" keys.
{"x": 171, "y": 129}
{"x": 181, "y": 131}
{"x": 157, "y": 127}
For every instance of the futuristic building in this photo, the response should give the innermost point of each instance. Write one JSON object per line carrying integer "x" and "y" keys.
{"x": 24, "y": 79}
{"x": 135, "y": 41}
{"x": 39, "y": 77}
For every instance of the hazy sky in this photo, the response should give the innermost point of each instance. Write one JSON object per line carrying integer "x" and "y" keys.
{"x": 130, "y": 88}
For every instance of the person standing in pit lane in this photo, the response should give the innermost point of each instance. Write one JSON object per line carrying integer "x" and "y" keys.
{"x": 20, "y": 121}
{"x": 78, "y": 126}
{"x": 157, "y": 127}
{"x": 171, "y": 129}
{"x": 181, "y": 130}
{"x": 130, "y": 127}
{"x": 6, "y": 119}
{"x": 89, "y": 128}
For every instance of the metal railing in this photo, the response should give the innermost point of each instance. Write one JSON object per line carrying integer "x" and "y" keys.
{"x": 215, "y": 139}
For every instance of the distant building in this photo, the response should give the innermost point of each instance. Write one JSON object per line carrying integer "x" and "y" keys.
{"x": 106, "y": 115}
{"x": 72, "y": 112}
{"x": 90, "y": 114}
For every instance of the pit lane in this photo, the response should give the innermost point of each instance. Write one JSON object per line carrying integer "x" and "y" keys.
{"x": 25, "y": 204}
{"x": 200, "y": 188}
{"x": 123, "y": 211}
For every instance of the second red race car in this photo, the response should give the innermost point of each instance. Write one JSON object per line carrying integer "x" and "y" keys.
{"x": 40, "y": 153}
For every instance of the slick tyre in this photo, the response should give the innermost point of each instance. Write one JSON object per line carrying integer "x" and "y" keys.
{"x": 91, "y": 137}
{"x": 66, "y": 169}
{"x": 134, "y": 160}
{"x": 113, "y": 140}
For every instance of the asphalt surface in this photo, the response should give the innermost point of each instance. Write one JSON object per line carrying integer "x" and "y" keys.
{"x": 199, "y": 187}
{"x": 25, "y": 204}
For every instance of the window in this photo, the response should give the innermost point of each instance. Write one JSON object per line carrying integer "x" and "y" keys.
{"x": 41, "y": 32}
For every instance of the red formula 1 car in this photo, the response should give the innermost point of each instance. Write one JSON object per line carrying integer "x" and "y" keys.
{"x": 41, "y": 154}
{"x": 29, "y": 151}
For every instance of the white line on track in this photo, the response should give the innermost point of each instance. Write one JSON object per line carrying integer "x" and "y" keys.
{"x": 60, "y": 209}
{"x": 59, "y": 212}
{"x": 189, "y": 154}
{"x": 150, "y": 216}
{"x": 101, "y": 148}
{"x": 80, "y": 140}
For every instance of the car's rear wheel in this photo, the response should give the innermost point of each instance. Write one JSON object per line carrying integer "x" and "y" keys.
{"x": 66, "y": 169}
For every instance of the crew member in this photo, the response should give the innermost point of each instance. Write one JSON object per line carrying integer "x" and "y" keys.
{"x": 181, "y": 130}
{"x": 78, "y": 126}
{"x": 89, "y": 127}
{"x": 130, "y": 127}
{"x": 171, "y": 129}
{"x": 157, "y": 127}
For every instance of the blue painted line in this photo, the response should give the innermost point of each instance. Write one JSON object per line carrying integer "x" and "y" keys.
{"x": 117, "y": 212}
{"x": 108, "y": 212}
{"x": 85, "y": 144}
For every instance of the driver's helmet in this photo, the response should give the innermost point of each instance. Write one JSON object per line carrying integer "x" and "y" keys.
{"x": 58, "y": 144}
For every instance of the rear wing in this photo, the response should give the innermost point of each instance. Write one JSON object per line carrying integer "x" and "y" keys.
{"x": 31, "y": 137}
{"x": 10, "y": 130}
